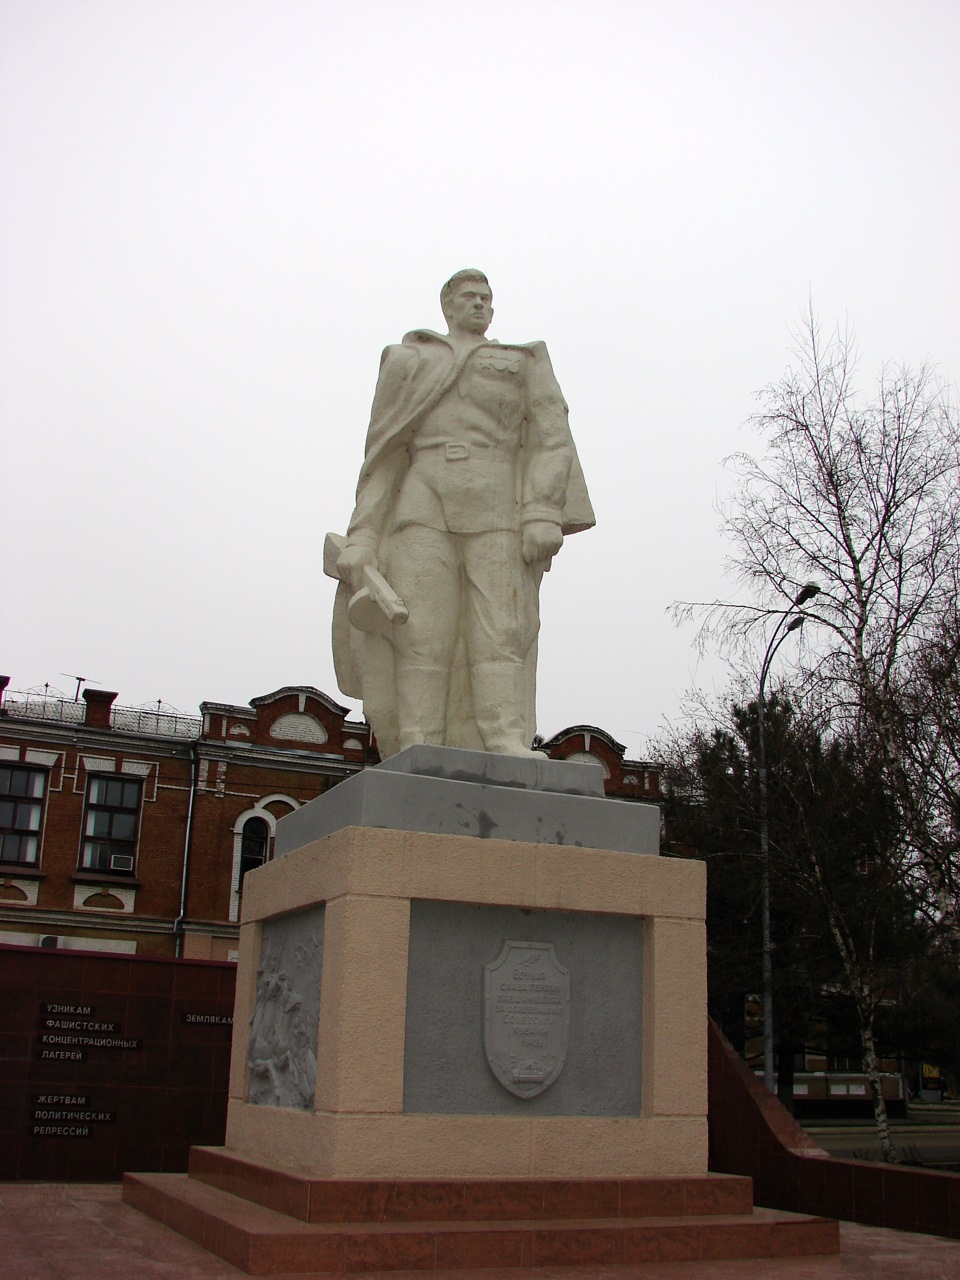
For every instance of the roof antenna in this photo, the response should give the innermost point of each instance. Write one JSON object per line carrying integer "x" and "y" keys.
{"x": 81, "y": 680}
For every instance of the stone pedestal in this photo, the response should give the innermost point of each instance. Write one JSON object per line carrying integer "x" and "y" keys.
{"x": 459, "y": 1044}
{"x": 374, "y": 946}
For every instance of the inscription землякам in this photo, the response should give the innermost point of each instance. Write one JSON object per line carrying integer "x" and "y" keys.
{"x": 526, "y": 1017}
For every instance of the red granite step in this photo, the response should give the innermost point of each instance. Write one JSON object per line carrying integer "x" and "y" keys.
{"x": 467, "y": 1200}
{"x": 261, "y": 1241}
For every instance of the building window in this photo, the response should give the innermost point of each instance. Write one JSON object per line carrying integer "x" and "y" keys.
{"x": 21, "y": 809}
{"x": 851, "y": 1063}
{"x": 110, "y": 825}
{"x": 253, "y": 845}
{"x": 587, "y": 757}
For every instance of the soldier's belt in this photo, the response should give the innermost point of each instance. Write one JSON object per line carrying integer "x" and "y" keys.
{"x": 454, "y": 451}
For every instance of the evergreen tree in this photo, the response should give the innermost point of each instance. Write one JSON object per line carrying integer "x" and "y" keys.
{"x": 847, "y": 933}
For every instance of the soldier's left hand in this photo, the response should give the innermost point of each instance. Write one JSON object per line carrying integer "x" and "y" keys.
{"x": 541, "y": 540}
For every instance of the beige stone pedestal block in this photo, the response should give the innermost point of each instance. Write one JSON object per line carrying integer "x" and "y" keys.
{"x": 358, "y": 1127}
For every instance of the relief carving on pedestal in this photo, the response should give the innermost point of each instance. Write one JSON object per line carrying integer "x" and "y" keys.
{"x": 281, "y": 1054}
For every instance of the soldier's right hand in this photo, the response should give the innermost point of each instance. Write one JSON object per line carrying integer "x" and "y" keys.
{"x": 351, "y": 561}
{"x": 541, "y": 539}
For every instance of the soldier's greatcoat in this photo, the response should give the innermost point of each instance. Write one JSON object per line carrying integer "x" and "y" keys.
{"x": 545, "y": 483}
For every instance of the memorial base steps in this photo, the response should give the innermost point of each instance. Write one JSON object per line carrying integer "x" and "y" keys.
{"x": 265, "y": 1219}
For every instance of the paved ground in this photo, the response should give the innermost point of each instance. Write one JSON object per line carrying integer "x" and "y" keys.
{"x": 54, "y": 1231}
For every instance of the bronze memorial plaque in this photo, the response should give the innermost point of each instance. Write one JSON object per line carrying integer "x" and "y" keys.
{"x": 526, "y": 1024}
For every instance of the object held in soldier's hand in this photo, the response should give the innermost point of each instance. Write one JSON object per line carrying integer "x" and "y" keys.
{"x": 376, "y": 606}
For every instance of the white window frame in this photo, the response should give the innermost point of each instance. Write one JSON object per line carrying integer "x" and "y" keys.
{"x": 259, "y": 810}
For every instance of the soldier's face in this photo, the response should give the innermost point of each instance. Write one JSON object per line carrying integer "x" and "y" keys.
{"x": 470, "y": 308}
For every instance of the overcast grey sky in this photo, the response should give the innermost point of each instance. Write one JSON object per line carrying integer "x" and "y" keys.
{"x": 214, "y": 214}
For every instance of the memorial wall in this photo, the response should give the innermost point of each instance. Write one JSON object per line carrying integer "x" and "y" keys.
{"x": 110, "y": 1063}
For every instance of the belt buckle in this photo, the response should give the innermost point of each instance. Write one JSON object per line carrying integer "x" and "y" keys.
{"x": 456, "y": 452}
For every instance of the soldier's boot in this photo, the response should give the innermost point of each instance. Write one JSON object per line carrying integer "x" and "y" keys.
{"x": 499, "y": 701}
{"x": 421, "y": 704}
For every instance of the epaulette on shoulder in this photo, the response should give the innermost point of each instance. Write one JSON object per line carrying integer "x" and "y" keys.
{"x": 423, "y": 335}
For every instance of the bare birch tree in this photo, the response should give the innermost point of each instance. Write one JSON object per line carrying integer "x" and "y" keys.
{"x": 862, "y": 498}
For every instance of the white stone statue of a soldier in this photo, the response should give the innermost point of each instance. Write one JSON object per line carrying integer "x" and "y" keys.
{"x": 469, "y": 483}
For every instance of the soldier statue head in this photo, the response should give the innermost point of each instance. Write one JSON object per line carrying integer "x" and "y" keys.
{"x": 467, "y": 302}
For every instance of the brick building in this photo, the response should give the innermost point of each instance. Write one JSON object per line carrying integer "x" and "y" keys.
{"x": 125, "y": 829}
{"x": 625, "y": 779}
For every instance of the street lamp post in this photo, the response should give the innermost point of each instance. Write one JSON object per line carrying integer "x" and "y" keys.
{"x": 793, "y": 623}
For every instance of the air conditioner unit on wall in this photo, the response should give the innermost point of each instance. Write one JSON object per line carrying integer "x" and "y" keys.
{"x": 121, "y": 862}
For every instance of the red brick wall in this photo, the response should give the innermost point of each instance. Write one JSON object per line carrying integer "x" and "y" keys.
{"x": 163, "y": 813}
{"x": 227, "y": 788}
{"x": 216, "y": 815}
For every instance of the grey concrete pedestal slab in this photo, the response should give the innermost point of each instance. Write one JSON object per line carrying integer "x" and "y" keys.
{"x": 474, "y": 793}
